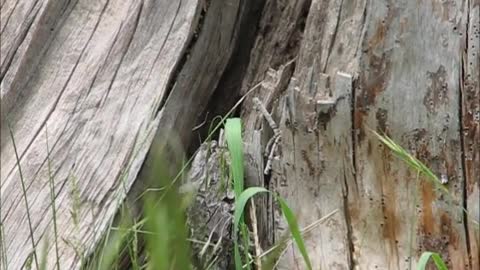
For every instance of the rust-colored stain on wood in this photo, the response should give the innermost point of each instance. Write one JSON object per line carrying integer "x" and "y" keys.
{"x": 441, "y": 241}
{"x": 373, "y": 82}
{"x": 391, "y": 223}
{"x": 447, "y": 232}
{"x": 428, "y": 196}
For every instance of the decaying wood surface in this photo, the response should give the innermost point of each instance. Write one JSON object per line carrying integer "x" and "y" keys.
{"x": 210, "y": 216}
{"x": 408, "y": 69}
{"x": 470, "y": 115}
{"x": 91, "y": 88}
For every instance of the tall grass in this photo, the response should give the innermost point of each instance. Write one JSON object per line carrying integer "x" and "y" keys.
{"x": 163, "y": 191}
{"x": 51, "y": 183}
{"x": 3, "y": 251}
{"x": 233, "y": 133}
{"x": 27, "y": 206}
{"x": 163, "y": 227}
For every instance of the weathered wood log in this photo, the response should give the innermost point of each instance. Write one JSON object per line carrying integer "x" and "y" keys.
{"x": 103, "y": 80}
{"x": 92, "y": 90}
{"x": 82, "y": 76}
{"x": 414, "y": 76}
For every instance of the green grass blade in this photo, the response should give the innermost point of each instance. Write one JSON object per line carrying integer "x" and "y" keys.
{"x": 246, "y": 242}
{"x": 157, "y": 242}
{"x": 3, "y": 252}
{"x": 238, "y": 258}
{"x": 241, "y": 202}
{"x": 44, "y": 258}
{"x": 412, "y": 161}
{"x": 295, "y": 230}
{"x": 417, "y": 165}
{"x": 233, "y": 134}
{"x": 24, "y": 190}
{"x": 287, "y": 212}
{"x": 437, "y": 259}
{"x": 51, "y": 182}
{"x": 423, "y": 261}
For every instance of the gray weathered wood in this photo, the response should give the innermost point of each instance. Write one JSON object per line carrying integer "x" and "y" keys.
{"x": 110, "y": 82}
{"x": 210, "y": 216}
{"x": 104, "y": 80}
{"x": 315, "y": 169}
{"x": 408, "y": 87}
{"x": 411, "y": 64}
{"x": 90, "y": 75}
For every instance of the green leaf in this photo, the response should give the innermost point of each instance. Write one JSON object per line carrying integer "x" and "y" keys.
{"x": 241, "y": 202}
{"x": 233, "y": 133}
{"x": 287, "y": 212}
{"x": 437, "y": 259}
{"x": 412, "y": 161}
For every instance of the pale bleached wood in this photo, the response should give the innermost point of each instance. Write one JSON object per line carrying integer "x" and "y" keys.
{"x": 94, "y": 82}
{"x": 96, "y": 74}
{"x": 109, "y": 79}
{"x": 314, "y": 169}
{"x": 257, "y": 133}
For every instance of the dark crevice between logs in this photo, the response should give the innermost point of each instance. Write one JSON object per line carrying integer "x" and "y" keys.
{"x": 354, "y": 128}
{"x": 348, "y": 192}
{"x": 462, "y": 80}
{"x": 227, "y": 92}
{"x": 346, "y": 211}
{"x": 240, "y": 46}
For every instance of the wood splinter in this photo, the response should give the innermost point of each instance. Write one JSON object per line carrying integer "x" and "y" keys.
{"x": 273, "y": 142}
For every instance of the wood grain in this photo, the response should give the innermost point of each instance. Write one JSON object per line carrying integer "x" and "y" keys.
{"x": 415, "y": 70}
{"x": 91, "y": 76}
